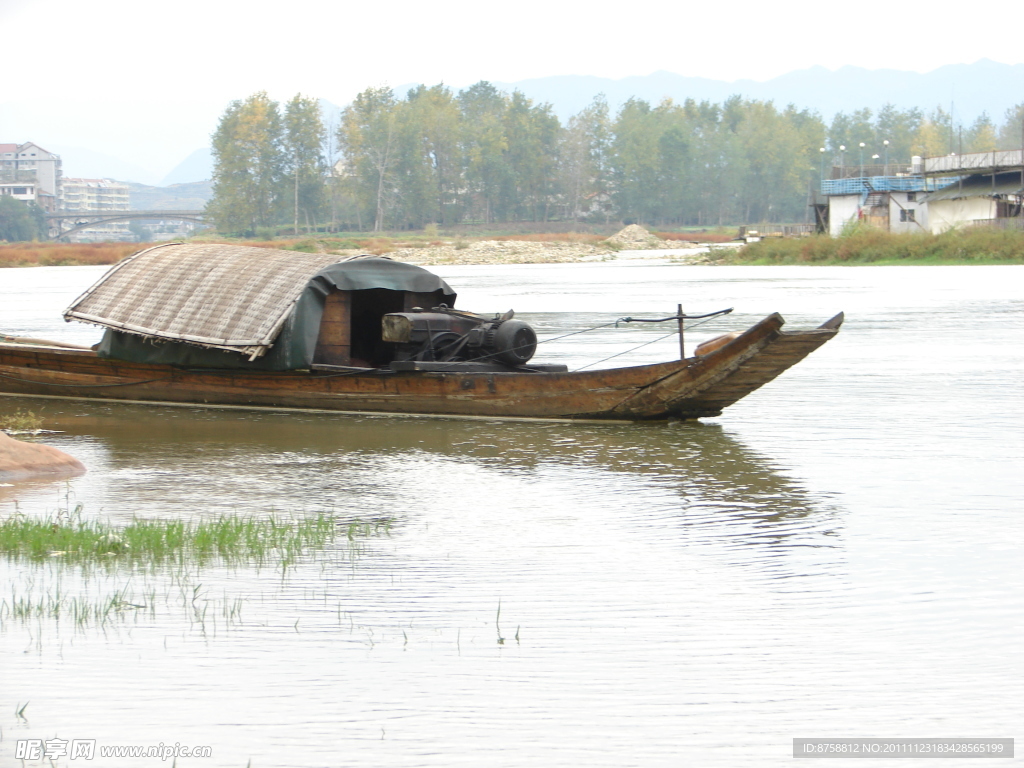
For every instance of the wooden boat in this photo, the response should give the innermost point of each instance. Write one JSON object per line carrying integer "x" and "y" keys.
{"x": 233, "y": 326}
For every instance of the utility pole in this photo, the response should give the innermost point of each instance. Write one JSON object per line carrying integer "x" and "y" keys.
{"x": 960, "y": 178}
{"x": 682, "y": 346}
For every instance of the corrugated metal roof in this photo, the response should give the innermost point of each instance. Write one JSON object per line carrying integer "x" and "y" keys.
{"x": 978, "y": 186}
{"x": 221, "y": 296}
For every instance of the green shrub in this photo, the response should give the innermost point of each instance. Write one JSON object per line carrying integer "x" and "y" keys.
{"x": 863, "y": 244}
{"x": 21, "y": 421}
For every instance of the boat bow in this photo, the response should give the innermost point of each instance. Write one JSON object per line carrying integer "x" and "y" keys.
{"x": 714, "y": 381}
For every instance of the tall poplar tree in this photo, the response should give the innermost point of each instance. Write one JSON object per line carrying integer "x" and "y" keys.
{"x": 583, "y": 161}
{"x": 635, "y": 161}
{"x": 484, "y": 148}
{"x": 436, "y": 113}
{"x": 368, "y": 138}
{"x": 303, "y": 149}
{"x": 248, "y": 165}
{"x": 532, "y": 158}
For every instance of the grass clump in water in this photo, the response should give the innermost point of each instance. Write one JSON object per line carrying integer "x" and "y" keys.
{"x": 21, "y": 421}
{"x": 258, "y": 540}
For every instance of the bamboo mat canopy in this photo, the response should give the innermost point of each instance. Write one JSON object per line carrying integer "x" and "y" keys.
{"x": 228, "y": 297}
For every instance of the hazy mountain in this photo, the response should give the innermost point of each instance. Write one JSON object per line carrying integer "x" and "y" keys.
{"x": 985, "y": 86}
{"x": 196, "y": 167}
{"x": 176, "y": 197}
{"x": 81, "y": 163}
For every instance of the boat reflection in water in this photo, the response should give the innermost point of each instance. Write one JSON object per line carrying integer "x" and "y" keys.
{"x": 693, "y": 480}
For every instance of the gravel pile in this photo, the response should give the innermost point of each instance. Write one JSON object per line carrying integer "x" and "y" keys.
{"x": 636, "y": 238}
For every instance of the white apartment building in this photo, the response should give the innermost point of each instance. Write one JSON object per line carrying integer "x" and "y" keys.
{"x": 96, "y": 196}
{"x": 30, "y": 173}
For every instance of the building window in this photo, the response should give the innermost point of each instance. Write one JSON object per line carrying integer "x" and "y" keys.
{"x": 907, "y": 214}
{"x": 21, "y": 190}
{"x": 911, "y": 197}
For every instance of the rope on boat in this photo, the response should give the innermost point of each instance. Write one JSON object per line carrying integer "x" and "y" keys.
{"x": 631, "y": 349}
{"x": 708, "y": 318}
{"x": 709, "y": 315}
{"x": 85, "y": 386}
{"x": 697, "y": 325}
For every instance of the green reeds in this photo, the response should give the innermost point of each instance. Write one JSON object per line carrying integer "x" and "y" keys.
{"x": 863, "y": 244}
{"x": 258, "y": 540}
{"x": 64, "y": 571}
{"x": 79, "y": 610}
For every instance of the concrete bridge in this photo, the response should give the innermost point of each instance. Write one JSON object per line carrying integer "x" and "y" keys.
{"x": 85, "y": 219}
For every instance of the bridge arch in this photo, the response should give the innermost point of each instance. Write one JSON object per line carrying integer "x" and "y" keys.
{"x": 87, "y": 219}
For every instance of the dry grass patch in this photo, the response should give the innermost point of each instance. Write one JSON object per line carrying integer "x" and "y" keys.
{"x": 64, "y": 254}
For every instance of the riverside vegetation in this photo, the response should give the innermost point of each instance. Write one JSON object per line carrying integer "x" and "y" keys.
{"x": 863, "y": 244}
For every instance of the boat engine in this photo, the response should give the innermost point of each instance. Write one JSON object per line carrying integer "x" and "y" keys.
{"x": 445, "y": 334}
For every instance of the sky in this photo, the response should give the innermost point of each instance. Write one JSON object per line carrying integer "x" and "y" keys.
{"x": 147, "y": 81}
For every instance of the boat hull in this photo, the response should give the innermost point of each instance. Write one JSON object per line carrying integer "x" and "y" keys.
{"x": 691, "y": 388}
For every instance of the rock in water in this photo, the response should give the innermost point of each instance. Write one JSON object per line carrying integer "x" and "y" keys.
{"x": 19, "y": 460}
{"x": 636, "y": 238}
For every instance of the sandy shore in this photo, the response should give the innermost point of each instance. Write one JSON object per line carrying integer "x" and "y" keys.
{"x": 632, "y": 243}
{"x": 517, "y": 252}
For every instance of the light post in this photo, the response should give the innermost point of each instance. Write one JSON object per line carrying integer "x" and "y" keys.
{"x": 842, "y": 161}
{"x": 886, "y": 145}
{"x": 862, "y": 159}
{"x": 821, "y": 152}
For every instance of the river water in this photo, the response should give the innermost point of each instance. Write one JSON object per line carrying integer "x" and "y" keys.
{"x": 837, "y": 555}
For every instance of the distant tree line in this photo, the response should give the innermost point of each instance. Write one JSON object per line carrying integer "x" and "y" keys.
{"x": 912, "y": 132}
{"x": 481, "y": 155}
